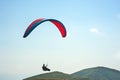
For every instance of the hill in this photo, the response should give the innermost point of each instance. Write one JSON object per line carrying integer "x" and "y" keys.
{"x": 55, "y": 76}
{"x": 99, "y": 73}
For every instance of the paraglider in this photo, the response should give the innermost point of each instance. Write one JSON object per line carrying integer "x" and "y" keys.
{"x": 44, "y": 67}
{"x": 36, "y": 22}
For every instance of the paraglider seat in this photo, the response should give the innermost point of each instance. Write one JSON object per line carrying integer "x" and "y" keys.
{"x": 44, "y": 67}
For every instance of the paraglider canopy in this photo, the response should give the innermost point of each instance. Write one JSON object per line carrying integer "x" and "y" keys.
{"x": 36, "y": 22}
{"x": 44, "y": 67}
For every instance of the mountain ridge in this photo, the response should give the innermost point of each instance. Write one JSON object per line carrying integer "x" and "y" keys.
{"x": 94, "y": 73}
{"x": 99, "y": 73}
{"x": 56, "y": 75}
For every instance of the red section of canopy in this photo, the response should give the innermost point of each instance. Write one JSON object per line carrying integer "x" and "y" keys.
{"x": 60, "y": 27}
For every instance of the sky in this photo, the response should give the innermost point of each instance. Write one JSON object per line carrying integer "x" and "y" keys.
{"x": 93, "y": 36}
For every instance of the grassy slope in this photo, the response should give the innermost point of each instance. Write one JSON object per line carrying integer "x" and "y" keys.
{"x": 99, "y": 73}
{"x": 55, "y": 76}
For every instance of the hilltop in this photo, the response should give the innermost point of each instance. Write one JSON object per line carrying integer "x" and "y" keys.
{"x": 55, "y": 76}
{"x": 99, "y": 73}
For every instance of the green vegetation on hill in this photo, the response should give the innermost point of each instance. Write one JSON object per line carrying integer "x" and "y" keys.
{"x": 55, "y": 76}
{"x": 96, "y": 73}
{"x": 99, "y": 73}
